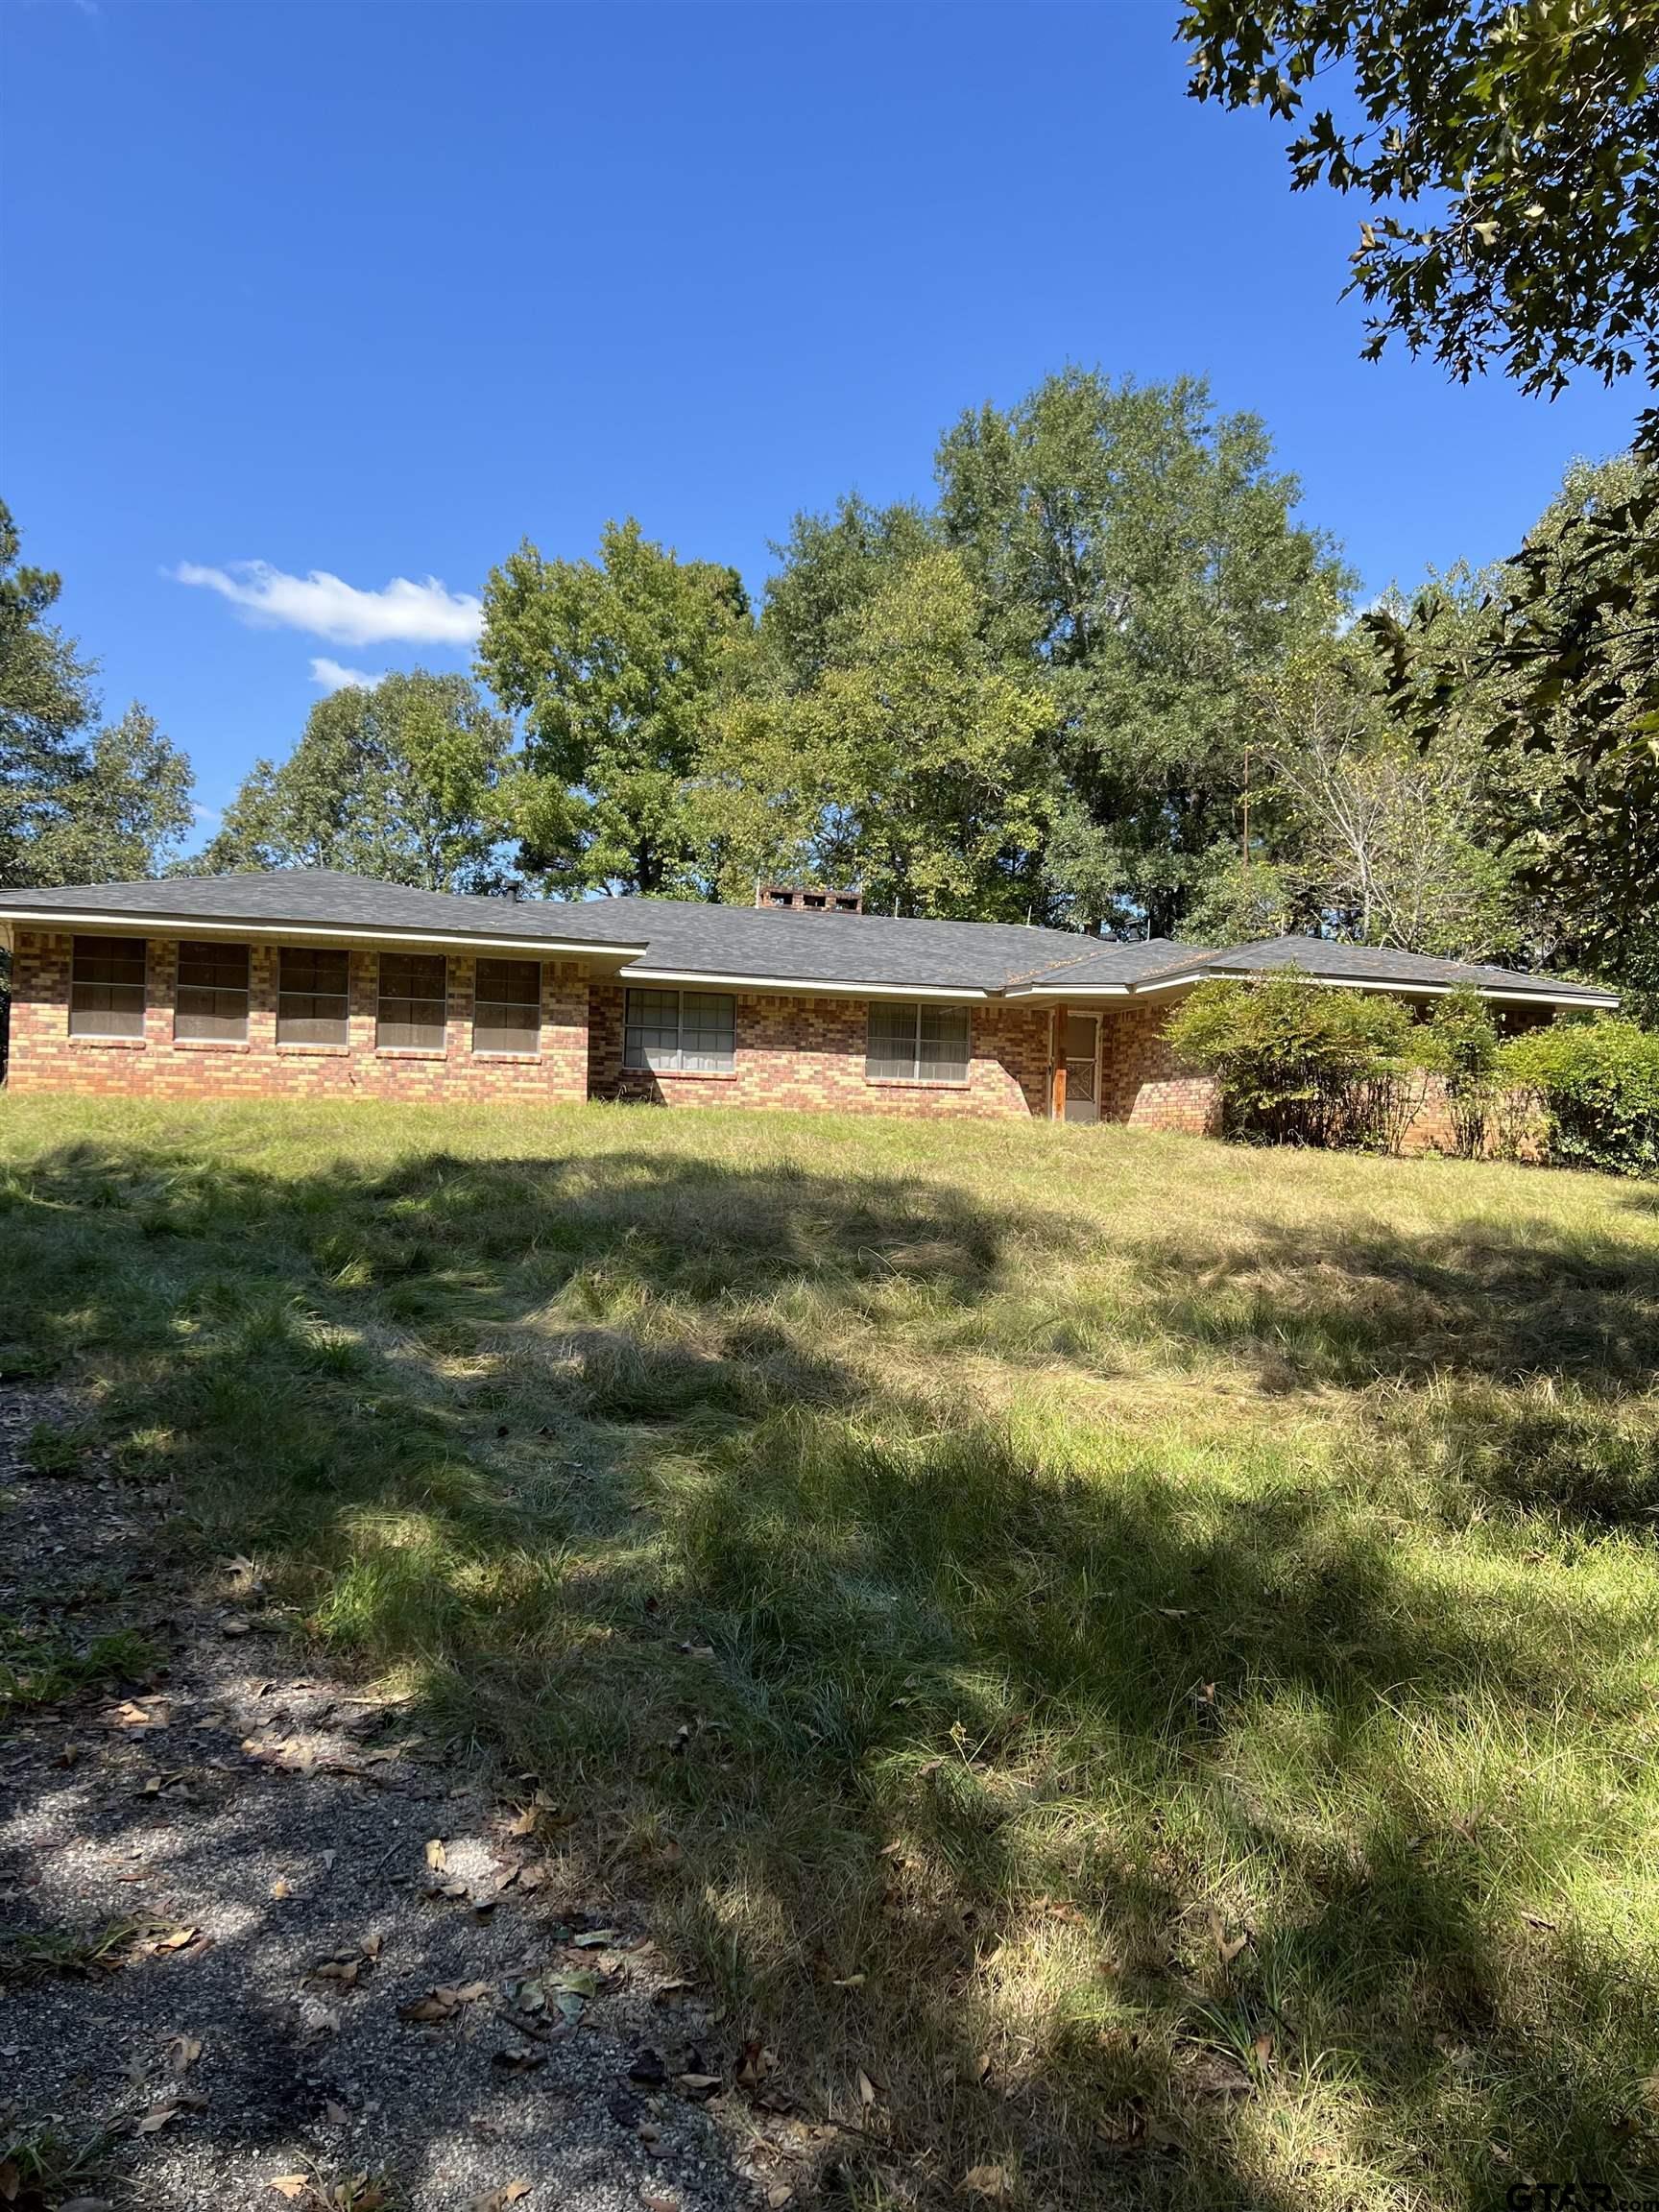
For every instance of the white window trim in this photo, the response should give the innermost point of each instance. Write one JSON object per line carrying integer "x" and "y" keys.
{"x": 643, "y": 1067}
{"x": 919, "y": 1006}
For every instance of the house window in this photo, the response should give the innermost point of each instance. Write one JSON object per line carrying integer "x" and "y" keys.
{"x": 106, "y": 987}
{"x": 507, "y": 1006}
{"x": 213, "y": 997}
{"x": 916, "y": 1044}
{"x": 681, "y": 1033}
{"x": 313, "y": 995}
{"x": 412, "y": 1002}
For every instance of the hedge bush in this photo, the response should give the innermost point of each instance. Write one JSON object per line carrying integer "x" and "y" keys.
{"x": 1598, "y": 1084}
{"x": 1461, "y": 1046}
{"x": 1298, "y": 1062}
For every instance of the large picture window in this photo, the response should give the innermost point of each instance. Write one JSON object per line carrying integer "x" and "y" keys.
{"x": 681, "y": 1033}
{"x": 106, "y": 987}
{"x": 412, "y": 1002}
{"x": 917, "y": 1043}
{"x": 313, "y": 995}
{"x": 507, "y": 1006}
{"x": 213, "y": 997}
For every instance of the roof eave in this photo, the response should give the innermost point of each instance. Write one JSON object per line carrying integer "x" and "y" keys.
{"x": 100, "y": 920}
{"x": 801, "y": 986}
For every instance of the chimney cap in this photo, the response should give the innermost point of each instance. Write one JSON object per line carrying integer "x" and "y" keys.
{"x": 811, "y": 897}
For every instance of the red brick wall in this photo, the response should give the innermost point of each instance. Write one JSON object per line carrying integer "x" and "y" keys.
{"x": 1140, "y": 1080}
{"x": 808, "y": 1052}
{"x": 45, "y": 1057}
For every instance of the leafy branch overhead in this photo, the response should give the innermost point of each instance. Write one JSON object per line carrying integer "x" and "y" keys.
{"x": 1509, "y": 155}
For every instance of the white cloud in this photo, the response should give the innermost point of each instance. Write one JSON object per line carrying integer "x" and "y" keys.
{"x": 207, "y": 816}
{"x": 334, "y": 678}
{"x": 400, "y": 612}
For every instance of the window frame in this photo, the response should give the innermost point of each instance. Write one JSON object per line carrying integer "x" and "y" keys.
{"x": 726, "y": 1062}
{"x": 531, "y": 1050}
{"x": 106, "y": 951}
{"x": 215, "y": 948}
{"x": 437, "y": 1040}
{"x": 340, "y": 1042}
{"x": 880, "y": 1066}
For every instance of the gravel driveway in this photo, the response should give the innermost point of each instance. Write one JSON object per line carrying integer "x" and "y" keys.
{"x": 256, "y": 1944}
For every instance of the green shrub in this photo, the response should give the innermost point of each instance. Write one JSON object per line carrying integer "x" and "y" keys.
{"x": 1298, "y": 1062}
{"x": 1598, "y": 1083}
{"x": 1461, "y": 1046}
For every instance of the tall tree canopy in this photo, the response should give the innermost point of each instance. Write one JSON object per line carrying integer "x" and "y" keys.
{"x": 80, "y": 803}
{"x": 405, "y": 781}
{"x": 909, "y": 764}
{"x": 1558, "y": 669}
{"x": 1139, "y": 553}
{"x": 1510, "y": 156}
{"x": 618, "y": 666}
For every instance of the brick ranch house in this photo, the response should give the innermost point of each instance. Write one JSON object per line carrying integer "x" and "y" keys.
{"x": 309, "y": 983}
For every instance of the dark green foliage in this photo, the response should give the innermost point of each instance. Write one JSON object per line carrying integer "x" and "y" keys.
{"x": 79, "y": 803}
{"x": 1299, "y": 1064}
{"x": 1510, "y": 156}
{"x": 1139, "y": 552}
{"x": 402, "y": 782}
{"x": 1461, "y": 1047}
{"x": 1599, "y": 1083}
{"x": 616, "y": 666}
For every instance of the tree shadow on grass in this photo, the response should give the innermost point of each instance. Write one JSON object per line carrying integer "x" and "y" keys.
{"x": 958, "y": 1763}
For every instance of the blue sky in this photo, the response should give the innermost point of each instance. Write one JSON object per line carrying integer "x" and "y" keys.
{"x": 378, "y": 290}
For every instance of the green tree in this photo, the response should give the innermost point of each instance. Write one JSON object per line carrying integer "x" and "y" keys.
{"x": 1139, "y": 554}
{"x": 1555, "y": 672}
{"x": 1386, "y": 834}
{"x": 79, "y": 803}
{"x": 830, "y": 568}
{"x": 1509, "y": 154}
{"x": 127, "y": 810}
{"x": 617, "y": 666}
{"x": 407, "y": 781}
{"x": 911, "y": 765}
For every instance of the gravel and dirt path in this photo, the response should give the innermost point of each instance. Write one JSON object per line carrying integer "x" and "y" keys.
{"x": 258, "y": 1946}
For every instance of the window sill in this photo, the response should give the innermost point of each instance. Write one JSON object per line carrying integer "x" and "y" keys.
{"x": 919, "y": 1082}
{"x": 315, "y": 1052}
{"x": 213, "y": 1045}
{"x": 411, "y": 1053}
{"x": 510, "y": 1059}
{"x": 109, "y": 1043}
{"x": 681, "y": 1075}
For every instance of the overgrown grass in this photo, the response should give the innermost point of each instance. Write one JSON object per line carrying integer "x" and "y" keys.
{"x": 972, "y": 1578}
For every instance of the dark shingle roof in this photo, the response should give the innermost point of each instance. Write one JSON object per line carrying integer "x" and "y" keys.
{"x": 323, "y": 897}
{"x": 675, "y": 937}
{"x": 1379, "y": 964}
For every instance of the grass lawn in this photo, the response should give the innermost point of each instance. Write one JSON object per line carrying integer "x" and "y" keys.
{"x": 1144, "y": 1651}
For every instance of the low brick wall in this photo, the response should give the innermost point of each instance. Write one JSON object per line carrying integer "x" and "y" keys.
{"x": 45, "y": 1057}
{"x": 807, "y": 1054}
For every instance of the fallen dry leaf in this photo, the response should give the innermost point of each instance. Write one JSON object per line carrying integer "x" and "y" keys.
{"x": 182, "y": 2052}
{"x": 1227, "y": 1947}
{"x": 437, "y": 1858}
{"x": 442, "y": 2003}
{"x": 867, "y": 2089}
{"x": 498, "y": 2199}
{"x": 282, "y": 1887}
{"x": 157, "y": 2118}
{"x": 992, "y": 2183}
{"x": 290, "y": 2185}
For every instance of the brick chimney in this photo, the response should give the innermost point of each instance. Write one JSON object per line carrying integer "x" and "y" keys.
{"x": 801, "y": 899}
